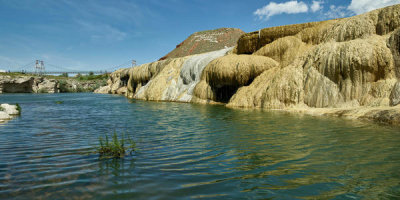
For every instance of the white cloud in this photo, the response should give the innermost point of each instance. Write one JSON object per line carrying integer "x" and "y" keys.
{"x": 362, "y": 6}
{"x": 316, "y": 6}
{"x": 290, "y": 7}
{"x": 100, "y": 32}
{"x": 336, "y": 12}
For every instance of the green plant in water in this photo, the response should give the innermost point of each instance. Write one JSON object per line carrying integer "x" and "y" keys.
{"x": 18, "y": 108}
{"x": 116, "y": 148}
{"x": 59, "y": 102}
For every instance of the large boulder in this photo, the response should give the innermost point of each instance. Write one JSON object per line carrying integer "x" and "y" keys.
{"x": 44, "y": 85}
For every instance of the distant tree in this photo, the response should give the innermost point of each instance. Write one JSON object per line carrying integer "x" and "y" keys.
{"x": 91, "y": 73}
{"x": 78, "y": 75}
{"x": 65, "y": 74}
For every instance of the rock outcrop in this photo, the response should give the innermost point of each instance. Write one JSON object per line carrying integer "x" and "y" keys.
{"x": 345, "y": 67}
{"x": 27, "y": 84}
{"x": 43, "y": 85}
{"x": 9, "y": 84}
{"x": 116, "y": 84}
{"x": 37, "y": 84}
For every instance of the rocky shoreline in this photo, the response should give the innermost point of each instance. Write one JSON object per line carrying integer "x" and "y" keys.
{"x": 346, "y": 67}
{"x": 38, "y": 84}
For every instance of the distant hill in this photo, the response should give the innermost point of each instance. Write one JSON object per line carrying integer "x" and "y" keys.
{"x": 206, "y": 41}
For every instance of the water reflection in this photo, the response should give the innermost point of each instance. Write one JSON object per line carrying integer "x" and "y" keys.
{"x": 191, "y": 151}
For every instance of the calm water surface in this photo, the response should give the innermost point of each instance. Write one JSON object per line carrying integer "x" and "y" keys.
{"x": 191, "y": 151}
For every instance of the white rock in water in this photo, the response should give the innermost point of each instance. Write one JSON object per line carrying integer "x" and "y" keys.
{"x": 7, "y": 111}
{"x": 10, "y": 109}
{"x": 4, "y": 116}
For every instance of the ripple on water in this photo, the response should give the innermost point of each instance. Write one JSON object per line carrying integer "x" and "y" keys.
{"x": 191, "y": 151}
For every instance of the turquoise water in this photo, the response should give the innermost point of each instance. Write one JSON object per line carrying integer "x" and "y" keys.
{"x": 189, "y": 151}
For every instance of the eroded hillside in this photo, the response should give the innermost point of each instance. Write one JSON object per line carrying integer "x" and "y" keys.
{"x": 206, "y": 41}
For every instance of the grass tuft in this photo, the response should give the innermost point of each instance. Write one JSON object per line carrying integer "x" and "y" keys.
{"x": 18, "y": 108}
{"x": 115, "y": 148}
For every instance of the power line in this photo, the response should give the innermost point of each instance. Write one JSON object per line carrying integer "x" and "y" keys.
{"x": 31, "y": 63}
{"x": 63, "y": 68}
{"x": 33, "y": 67}
{"x": 124, "y": 64}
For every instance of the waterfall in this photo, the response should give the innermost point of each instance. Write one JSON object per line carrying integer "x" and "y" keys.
{"x": 182, "y": 89}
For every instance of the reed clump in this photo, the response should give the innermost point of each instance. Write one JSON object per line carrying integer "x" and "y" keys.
{"x": 115, "y": 147}
{"x": 18, "y": 108}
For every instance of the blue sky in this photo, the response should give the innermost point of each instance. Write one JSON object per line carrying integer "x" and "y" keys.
{"x": 99, "y": 35}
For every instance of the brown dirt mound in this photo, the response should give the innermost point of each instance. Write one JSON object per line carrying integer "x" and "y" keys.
{"x": 206, "y": 41}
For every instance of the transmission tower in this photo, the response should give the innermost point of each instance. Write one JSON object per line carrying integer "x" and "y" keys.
{"x": 133, "y": 63}
{"x": 39, "y": 67}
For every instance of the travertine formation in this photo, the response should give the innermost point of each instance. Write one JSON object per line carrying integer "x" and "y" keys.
{"x": 345, "y": 67}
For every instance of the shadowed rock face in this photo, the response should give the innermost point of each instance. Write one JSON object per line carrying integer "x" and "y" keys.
{"x": 223, "y": 76}
{"x": 394, "y": 45}
{"x": 16, "y": 85}
{"x": 344, "y": 67}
